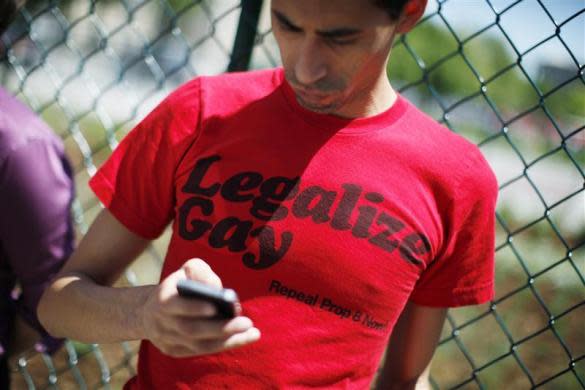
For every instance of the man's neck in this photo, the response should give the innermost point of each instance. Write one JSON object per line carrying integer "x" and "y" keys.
{"x": 372, "y": 101}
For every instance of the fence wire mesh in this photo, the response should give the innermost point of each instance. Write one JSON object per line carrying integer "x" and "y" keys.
{"x": 507, "y": 75}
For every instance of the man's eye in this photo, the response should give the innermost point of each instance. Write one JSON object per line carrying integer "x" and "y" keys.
{"x": 341, "y": 42}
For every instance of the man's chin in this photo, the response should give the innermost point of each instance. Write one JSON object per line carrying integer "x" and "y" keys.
{"x": 319, "y": 107}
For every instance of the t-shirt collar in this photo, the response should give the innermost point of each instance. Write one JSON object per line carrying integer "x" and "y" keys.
{"x": 342, "y": 125}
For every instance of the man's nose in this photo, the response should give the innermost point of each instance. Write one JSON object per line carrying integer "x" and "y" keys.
{"x": 310, "y": 66}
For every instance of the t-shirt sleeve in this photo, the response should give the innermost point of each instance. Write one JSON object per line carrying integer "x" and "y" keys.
{"x": 463, "y": 272}
{"x": 136, "y": 184}
{"x": 36, "y": 231}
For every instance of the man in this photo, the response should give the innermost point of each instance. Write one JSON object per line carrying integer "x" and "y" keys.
{"x": 335, "y": 209}
{"x": 36, "y": 232}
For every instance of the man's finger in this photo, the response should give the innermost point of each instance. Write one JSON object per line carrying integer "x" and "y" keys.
{"x": 199, "y": 270}
{"x": 189, "y": 307}
{"x": 211, "y": 329}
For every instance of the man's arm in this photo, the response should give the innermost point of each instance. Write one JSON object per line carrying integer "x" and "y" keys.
{"x": 411, "y": 347}
{"x": 77, "y": 304}
{"x": 80, "y": 303}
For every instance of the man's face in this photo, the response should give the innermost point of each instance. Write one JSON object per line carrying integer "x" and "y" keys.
{"x": 333, "y": 52}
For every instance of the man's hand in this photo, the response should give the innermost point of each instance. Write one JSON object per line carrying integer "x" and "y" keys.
{"x": 80, "y": 303}
{"x": 183, "y": 327}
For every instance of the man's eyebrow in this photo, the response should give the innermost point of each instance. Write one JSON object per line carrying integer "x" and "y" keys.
{"x": 283, "y": 19}
{"x": 333, "y": 33}
{"x": 339, "y": 32}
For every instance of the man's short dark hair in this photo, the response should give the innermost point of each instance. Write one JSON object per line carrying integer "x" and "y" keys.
{"x": 8, "y": 10}
{"x": 393, "y": 7}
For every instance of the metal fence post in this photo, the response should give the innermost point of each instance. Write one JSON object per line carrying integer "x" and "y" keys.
{"x": 244, "y": 42}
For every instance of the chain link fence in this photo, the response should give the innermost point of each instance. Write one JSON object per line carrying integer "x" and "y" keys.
{"x": 508, "y": 75}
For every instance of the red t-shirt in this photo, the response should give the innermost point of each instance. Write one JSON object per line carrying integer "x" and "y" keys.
{"x": 324, "y": 226}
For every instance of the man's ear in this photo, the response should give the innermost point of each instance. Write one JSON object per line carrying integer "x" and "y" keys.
{"x": 412, "y": 12}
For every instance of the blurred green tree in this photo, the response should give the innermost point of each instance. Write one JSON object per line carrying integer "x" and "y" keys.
{"x": 431, "y": 60}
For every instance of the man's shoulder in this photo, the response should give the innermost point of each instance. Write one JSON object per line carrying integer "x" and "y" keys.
{"x": 434, "y": 132}
{"x": 437, "y": 137}
{"x": 448, "y": 155}
{"x": 258, "y": 80}
{"x": 228, "y": 91}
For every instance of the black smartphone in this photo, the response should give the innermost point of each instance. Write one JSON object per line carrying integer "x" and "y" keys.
{"x": 224, "y": 299}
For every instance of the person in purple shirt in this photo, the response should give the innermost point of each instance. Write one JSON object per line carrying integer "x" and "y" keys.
{"x": 36, "y": 232}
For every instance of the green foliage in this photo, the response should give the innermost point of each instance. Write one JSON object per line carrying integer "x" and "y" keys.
{"x": 82, "y": 348}
{"x": 462, "y": 70}
{"x": 179, "y": 5}
{"x": 568, "y": 100}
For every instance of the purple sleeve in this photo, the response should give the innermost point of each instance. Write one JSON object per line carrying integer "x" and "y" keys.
{"x": 36, "y": 233}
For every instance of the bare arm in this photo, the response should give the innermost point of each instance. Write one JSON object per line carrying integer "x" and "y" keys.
{"x": 411, "y": 348}
{"x": 80, "y": 303}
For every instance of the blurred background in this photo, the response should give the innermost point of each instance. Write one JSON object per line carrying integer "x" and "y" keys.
{"x": 507, "y": 75}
